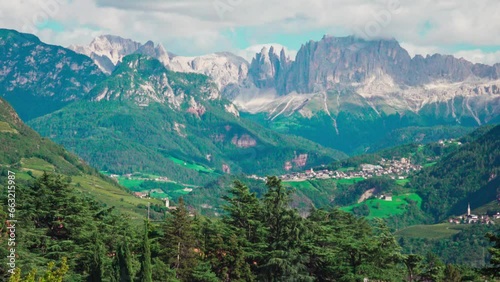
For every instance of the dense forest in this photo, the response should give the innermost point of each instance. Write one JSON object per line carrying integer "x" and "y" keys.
{"x": 67, "y": 236}
{"x": 466, "y": 175}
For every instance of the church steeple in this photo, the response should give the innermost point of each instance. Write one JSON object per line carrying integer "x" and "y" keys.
{"x": 468, "y": 210}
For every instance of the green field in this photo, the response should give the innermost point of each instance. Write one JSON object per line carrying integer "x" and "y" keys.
{"x": 112, "y": 195}
{"x": 37, "y": 164}
{"x": 192, "y": 166}
{"x": 170, "y": 190}
{"x": 100, "y": 190}
{"x": 349, "y": 181}
{"x": 301, "y": 185}
{"x": 437, "y": 231}
{"x": 430, "y": 164}
{"x": 132, "y": 184}
{"x": 156, "y": 195}
{"x": 381, "y": 208}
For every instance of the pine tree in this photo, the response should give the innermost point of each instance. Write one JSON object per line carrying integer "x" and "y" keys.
{"x": 146, "y": 268}
{"x": 412, "y": 263}
{"x": 386, "y": 255}
{"x": 452, "y": 274}
{"x": 96, "y": 262}
{"x": 57, "y": 223}
{"x": 283, "y": 255}
{"x": 494, "y": 270}
{"x": 433, "y": 268}
{"x": 123, "y": 263}
{"x": 179, "y": 242}
{"x": 244, "y": 217}
{"x": 223, "y": 249}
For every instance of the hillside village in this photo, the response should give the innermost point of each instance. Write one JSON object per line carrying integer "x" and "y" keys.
{"x": 395, "y": 169}
{"x": 470, "y": 218}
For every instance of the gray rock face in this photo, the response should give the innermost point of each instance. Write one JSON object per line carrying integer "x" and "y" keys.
{"x": 268, "y": 70}
{"x": 158, "y": 52}
{"x": 341, "y": 61}
{"x": 108, "y": 51}
{"x": 379, "y": 76}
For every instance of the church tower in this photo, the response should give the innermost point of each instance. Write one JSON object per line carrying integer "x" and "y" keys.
{"x": 468, "y": 210}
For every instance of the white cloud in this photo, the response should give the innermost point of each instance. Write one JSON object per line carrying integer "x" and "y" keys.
{"x": 478, "y": 56}
{"x": 420, "y": 50}
{"x": 200, "y": 26}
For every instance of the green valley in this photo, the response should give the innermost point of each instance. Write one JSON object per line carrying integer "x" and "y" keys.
{"x": 180, "y": 129}
{"x": 30, "y": 156}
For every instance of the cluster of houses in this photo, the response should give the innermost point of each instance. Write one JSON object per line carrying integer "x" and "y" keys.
{"x": 470, "y": 218}
{"x": 143, "y": 195}
{"x": 444, "y": 143}
{"x": 395, "y": 169}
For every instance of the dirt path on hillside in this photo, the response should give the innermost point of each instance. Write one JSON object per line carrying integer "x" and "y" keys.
{"x": 366, "y": 195}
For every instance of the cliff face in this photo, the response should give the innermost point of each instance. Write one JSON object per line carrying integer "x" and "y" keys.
{"x": 269, "y": 70}
{"x": 333, "y": 62}
{"x": 228, "y": 71}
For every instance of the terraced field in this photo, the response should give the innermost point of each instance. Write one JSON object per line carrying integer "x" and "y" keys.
{"x": 437, "y": 231}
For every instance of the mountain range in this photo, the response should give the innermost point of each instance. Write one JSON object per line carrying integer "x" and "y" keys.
{"x": 347, "y": 86}
{"x": 343, "y": 93}
{"x": 146, "y": 118}
{"x": 37, "y": 78}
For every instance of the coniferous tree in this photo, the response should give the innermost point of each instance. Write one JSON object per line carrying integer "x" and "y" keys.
{"x": 494, "y": 270}
{"x": 433, "y": 268}
{"x": 180, "y": 242}
{"x": 223, "y": 249}
{"x": 386, "y": 256}
{"x": 283, "y": 260}
{"x": 146, "y": 268}
{"x": 244, "y": 217}
{"x": 452, "y": 274}
{"x": 412, "y": 263}
{"x": 96, "y": 262}
{"x": 123, "y": 263}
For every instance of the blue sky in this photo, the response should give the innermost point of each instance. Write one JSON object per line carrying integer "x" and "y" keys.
{"x": 463, "y": 28}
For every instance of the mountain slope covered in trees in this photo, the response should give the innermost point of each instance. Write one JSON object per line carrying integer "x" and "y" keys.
{"x": 29, "y": 155}
{"x": 470, "y": 174}
{"x": 144, "y": 117}
{"x": 39, "y": 78}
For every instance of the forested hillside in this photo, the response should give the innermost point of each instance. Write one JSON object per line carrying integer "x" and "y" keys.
{"x": 468, "y": 175}
{"x": 29, "y": 155}
{"x": 72, "y": 232}
{"x": 39, "y": 78}
{"x": 257, "y": 239}
{"x": 144, "y": 117}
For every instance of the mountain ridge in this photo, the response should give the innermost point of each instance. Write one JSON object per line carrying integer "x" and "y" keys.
{"x": 38, "y": 78}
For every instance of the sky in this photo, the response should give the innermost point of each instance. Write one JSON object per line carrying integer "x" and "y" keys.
{"x": 464, "y": 28}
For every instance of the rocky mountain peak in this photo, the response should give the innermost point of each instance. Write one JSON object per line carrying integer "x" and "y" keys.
{"x": 346, "y": 61}
{"x": 158, "y": 52}
{"x": 145, "y": 80}
{"x": 268, "y": 69}
{"x": 108, "y": 51}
